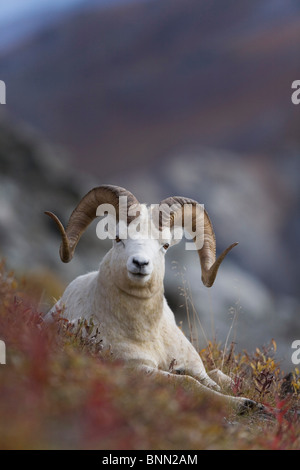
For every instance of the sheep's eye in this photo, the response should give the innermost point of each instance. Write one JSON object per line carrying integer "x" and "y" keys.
{"x": 166, "y": 246}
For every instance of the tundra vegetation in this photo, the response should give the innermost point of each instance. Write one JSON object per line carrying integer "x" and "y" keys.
{"x": 59, "y": 390}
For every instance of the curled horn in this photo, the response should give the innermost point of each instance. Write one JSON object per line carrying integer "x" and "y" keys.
{"x": 207, "y": 253}
{"x": 85, "y": 213}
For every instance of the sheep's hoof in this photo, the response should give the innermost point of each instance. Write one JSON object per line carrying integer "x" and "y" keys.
{"x": 251, "y": 406}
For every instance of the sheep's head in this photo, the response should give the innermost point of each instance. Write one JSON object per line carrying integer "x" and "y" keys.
{"x": 138, "y": 258}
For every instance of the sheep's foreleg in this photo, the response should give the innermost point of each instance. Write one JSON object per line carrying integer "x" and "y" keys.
{"x": 240, "y": 404}
{"x": 221, "y": 379}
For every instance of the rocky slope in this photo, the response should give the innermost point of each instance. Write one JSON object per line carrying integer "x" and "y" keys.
{"x": 131, "y": 83}
{"x": 35, "y": 176}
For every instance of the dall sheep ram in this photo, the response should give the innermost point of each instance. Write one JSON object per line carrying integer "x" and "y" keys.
{"x": 126, "y": 295}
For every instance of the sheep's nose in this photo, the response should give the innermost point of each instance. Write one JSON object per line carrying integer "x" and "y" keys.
{"x": 140, "y": 262}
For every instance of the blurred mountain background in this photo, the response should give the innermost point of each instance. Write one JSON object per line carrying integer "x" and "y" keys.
{"x": 164, "y": 97}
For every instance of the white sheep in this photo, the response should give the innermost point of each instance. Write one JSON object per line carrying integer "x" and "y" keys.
{"x": 126, "y": 295}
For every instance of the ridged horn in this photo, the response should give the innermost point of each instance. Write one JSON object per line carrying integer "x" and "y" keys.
{"x": 85, "y": 213}
{"x": 207, "y": 253}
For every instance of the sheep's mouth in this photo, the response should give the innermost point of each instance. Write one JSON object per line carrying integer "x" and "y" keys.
{"x": 138, "y": 275}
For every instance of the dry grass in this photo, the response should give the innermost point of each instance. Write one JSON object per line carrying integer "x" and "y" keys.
{"x": 58, "y": 392}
